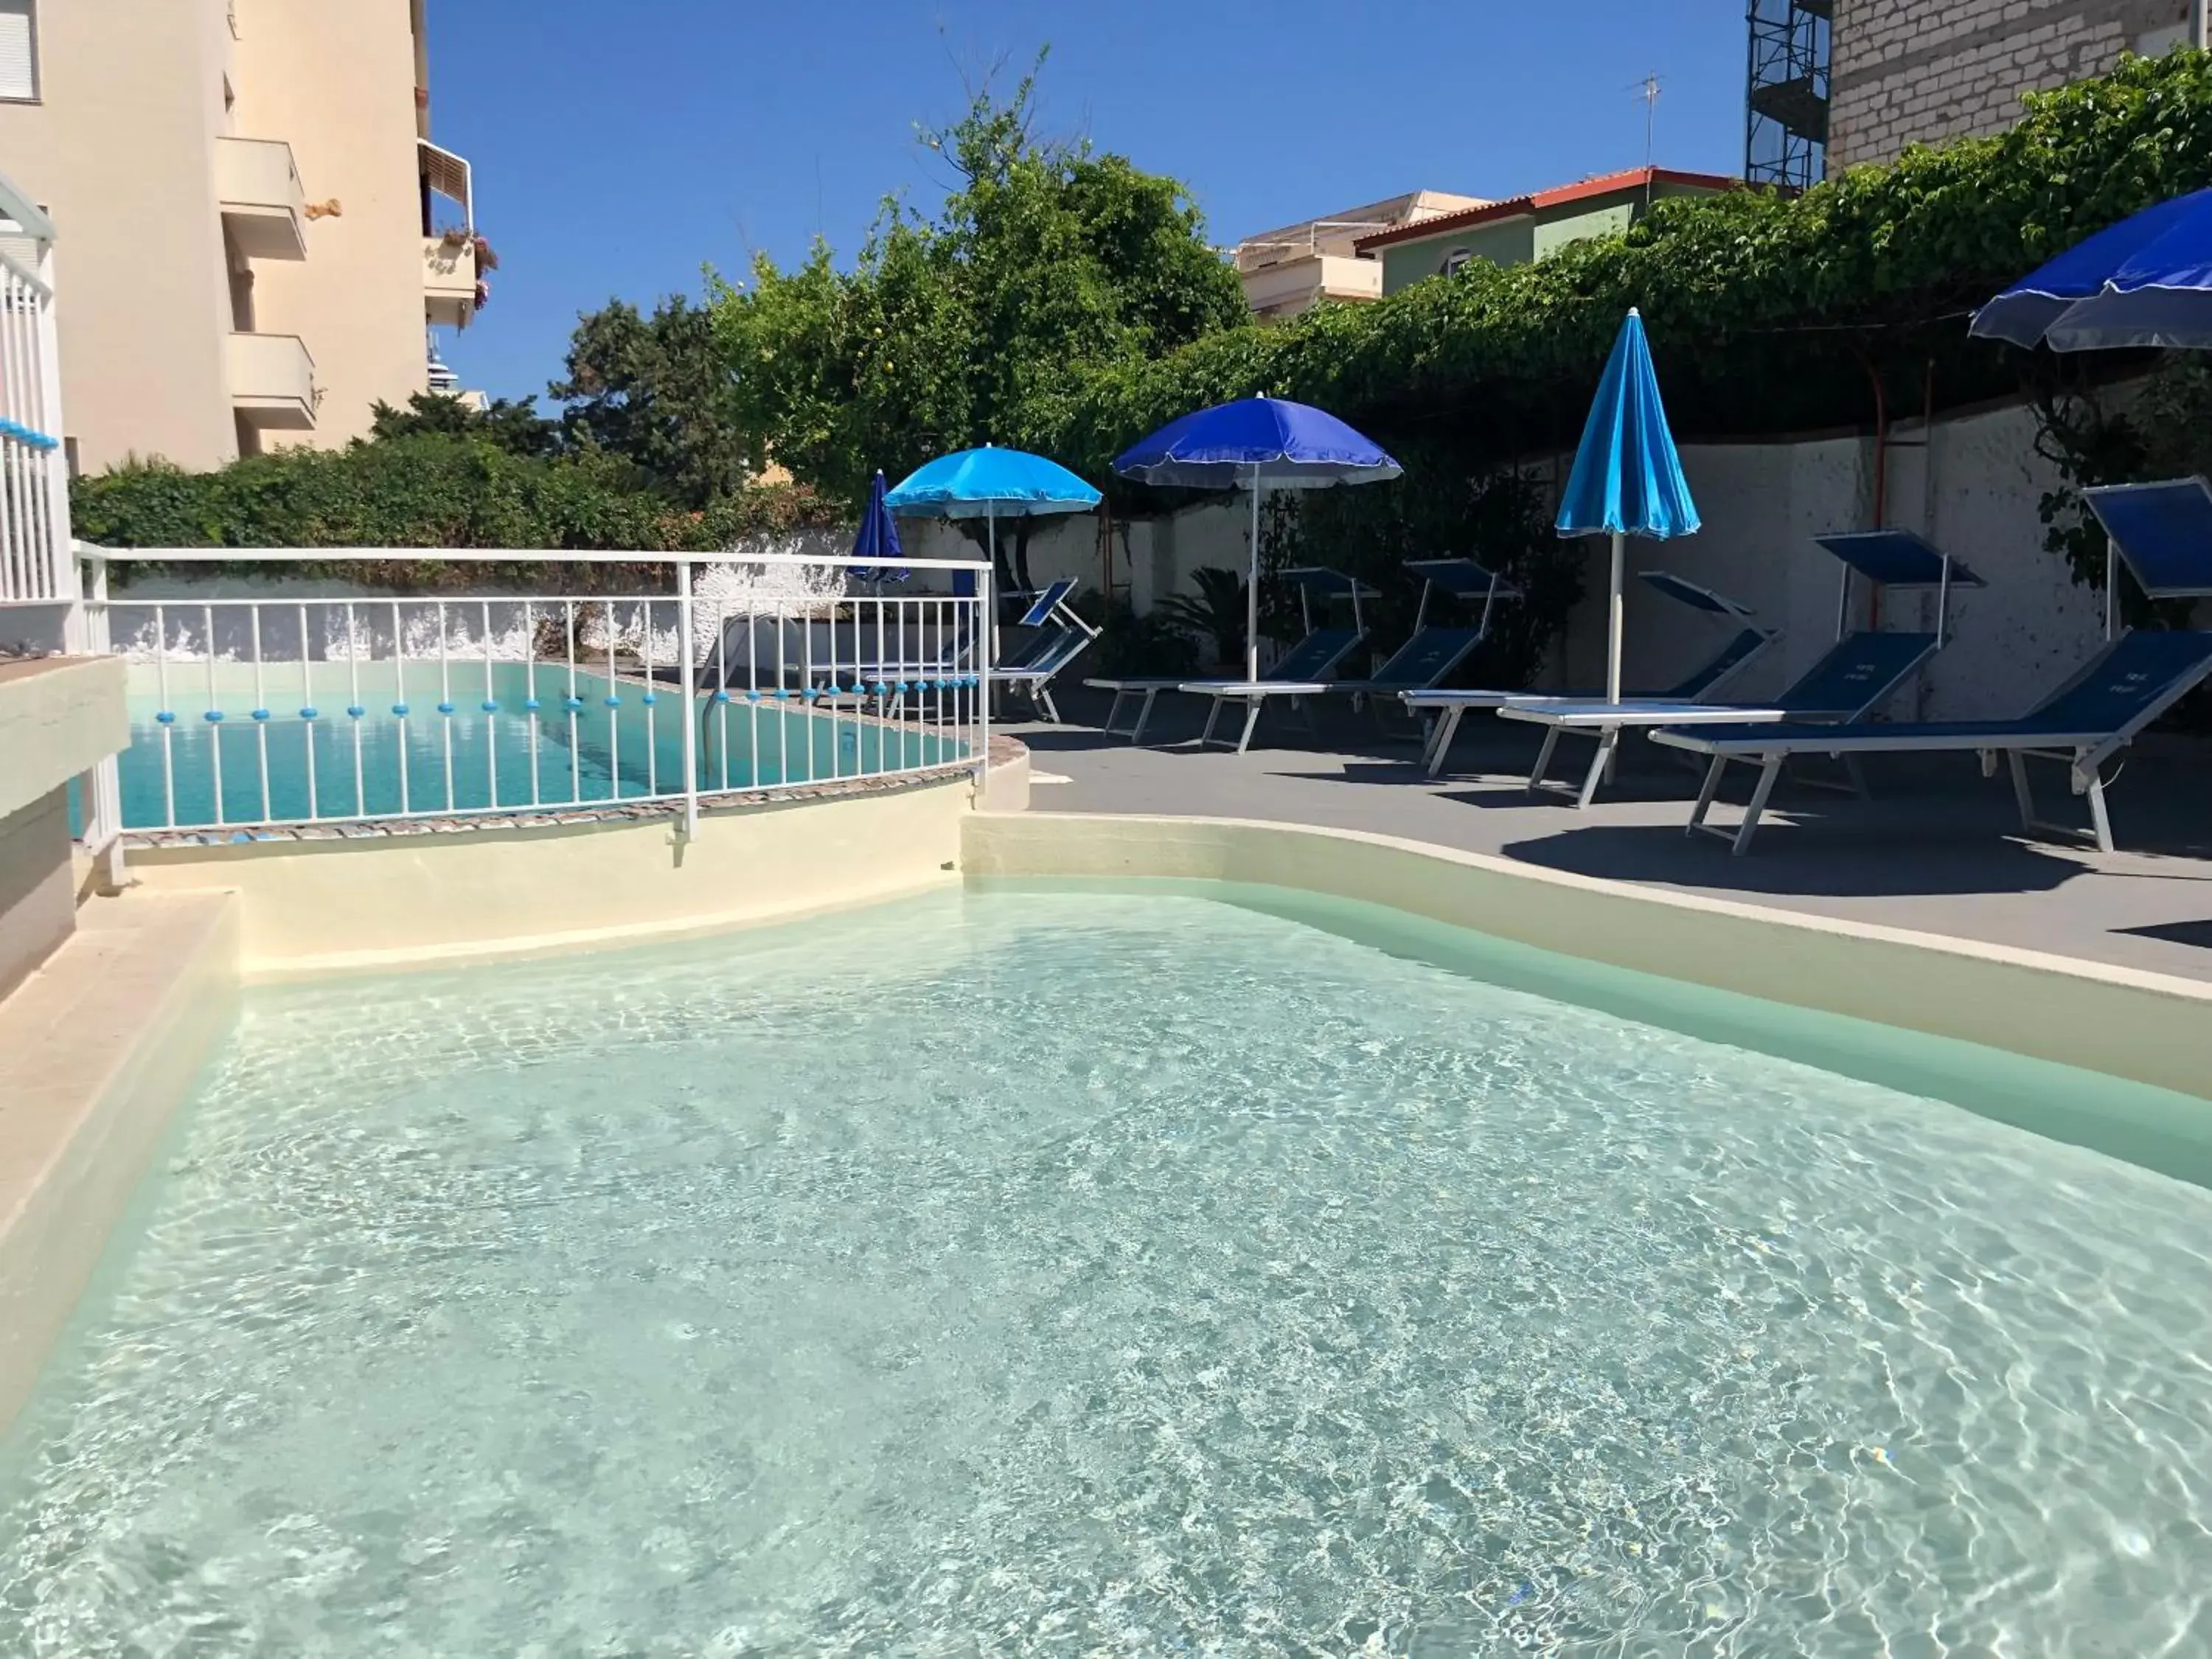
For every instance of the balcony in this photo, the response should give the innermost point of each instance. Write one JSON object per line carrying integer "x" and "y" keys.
{"x": 1289, "y": 287}
{"x": 449, "y": 281}
{"x": 272, "y": 382}
{"x": 264, "y": 207}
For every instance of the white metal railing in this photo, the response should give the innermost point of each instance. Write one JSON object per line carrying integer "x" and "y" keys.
{"x": 34, "y": 481}
{"x": 771, "y": 672}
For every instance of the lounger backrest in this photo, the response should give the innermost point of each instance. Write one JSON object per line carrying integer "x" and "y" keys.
{"x": 1427, "y": 657}
{"x": 1041, "y": 608}
{"x": 1739, "y": 651}
{"x": 2130, "y": 682}
{"x": 1056, "y": 648}
{"x": 2164, "y": 530}
{"x": 1315, "y": 654}
{"x": 1856, "y": 676}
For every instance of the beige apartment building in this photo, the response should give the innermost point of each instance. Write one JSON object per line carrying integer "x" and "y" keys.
{"x": 1290, "y": 269}
{"x": 254, "y": 230}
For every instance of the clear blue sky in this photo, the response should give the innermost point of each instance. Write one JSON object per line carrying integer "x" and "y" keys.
{"x": 615, "y": 160}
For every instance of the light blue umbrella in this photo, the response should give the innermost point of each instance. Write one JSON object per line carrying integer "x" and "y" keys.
{"x": 990, "y": 484}
{"x": 1256, "y": 444}
{"x": 1627, "y": 479}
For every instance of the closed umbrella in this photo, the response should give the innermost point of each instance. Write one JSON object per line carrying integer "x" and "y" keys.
{"x": 1256, "y": 444}
{"x": 878, "y": 539}
{"x": 1627, "y": 478}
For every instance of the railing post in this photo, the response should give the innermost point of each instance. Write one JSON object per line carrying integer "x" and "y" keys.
{"x": 987, "y": 604}
{"x": 103, "y": 795}
{"x": 688, "y": 651}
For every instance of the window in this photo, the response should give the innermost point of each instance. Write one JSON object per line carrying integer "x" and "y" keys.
{"x": 1455, "y": 261}
{"x": 19, "y": 51}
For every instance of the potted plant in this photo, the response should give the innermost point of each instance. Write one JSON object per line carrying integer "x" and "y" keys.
{"x": 1214, "y": 612}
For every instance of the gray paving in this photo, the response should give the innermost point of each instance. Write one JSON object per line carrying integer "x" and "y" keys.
{"x": 1936, "y": 848}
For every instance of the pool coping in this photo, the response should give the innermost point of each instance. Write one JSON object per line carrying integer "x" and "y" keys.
{"x": 2125, "y": 1022}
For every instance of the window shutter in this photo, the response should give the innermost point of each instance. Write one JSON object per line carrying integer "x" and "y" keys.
{"x": 18, "y": 74}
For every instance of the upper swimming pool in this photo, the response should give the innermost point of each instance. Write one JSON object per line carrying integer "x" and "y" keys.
{"x": 390, "y": 745}
{"x": 1094, "y": 1271}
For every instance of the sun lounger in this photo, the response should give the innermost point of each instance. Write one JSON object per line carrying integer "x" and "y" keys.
{"x": 2083, "y": 724}
{"x": 1450, "y": 707}
{"x": 1314, "y": 658}
{"x": 1852, "y": 683}
{"x": 1033, "y": 663}
{"x": 1434, "y": 652}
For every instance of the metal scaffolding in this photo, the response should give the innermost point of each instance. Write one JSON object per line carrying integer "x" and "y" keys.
{"x": 1786, "y": 107}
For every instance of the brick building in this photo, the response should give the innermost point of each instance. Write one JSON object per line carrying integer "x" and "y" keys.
{"x": 1907, "y": 71}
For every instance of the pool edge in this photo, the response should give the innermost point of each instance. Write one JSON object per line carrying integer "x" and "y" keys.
{"x": 2126, "y": 1023}
{"x": 104, "y": 1041}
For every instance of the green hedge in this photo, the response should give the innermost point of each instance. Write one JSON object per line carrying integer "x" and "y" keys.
{"x": 424, "y": 490}
{"x": 1767, "y": 314}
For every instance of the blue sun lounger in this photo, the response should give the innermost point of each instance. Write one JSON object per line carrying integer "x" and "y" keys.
{"x": 1747, "y": 643}
{"x": 2084, "y": 723}
{"x": 1034, "y": 662}
{"x": 1432, "y": 653}
{"x": 1314, "y": 658}
{"x": 1847, "y": 686}
{"x": 2162, "y": 534}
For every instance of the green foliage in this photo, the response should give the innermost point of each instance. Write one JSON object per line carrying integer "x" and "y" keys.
{"x": 1766, "y": 314}
{"x": 423, "y": 489}
{"x": 1132, "y": 647}
{"x": 515, "y": 426}
{"x": 1217, "y": 611}
{"x": 657, "y": 392}
{"x": 1045, "y": 259}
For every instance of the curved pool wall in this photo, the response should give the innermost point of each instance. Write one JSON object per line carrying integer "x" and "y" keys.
{"x": 511, "y": 757}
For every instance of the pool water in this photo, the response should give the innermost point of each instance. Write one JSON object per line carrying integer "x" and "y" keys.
{"x": 1072, "y": 1273}
{"x": 511, "y": 756}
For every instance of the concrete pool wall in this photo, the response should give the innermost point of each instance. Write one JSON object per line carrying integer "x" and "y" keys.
{"x": 2148, "y": 1028}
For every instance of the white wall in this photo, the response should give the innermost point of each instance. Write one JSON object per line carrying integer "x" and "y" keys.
{"x": 1762, "y": 505}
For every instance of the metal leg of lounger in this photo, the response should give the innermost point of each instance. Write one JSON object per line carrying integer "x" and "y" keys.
{"x": 1213, "y": 715}
{"x": 1041, "y": 694}
{"x": 1608, "y": 738}
{"x": 2022, "y": 796}
{"x": 1705, "y": 794}
{"x": 1768, "y": 774}
{"x": 1857, "y": 773}
{"x": 1121, "y": 695}
{"x": 1252, "y": 707}
{"x": 1536, "y": 773}
{"x": 1144, "y": 714}
{"x": 2098, "y": 818}
{"x": 1440, "y": 741}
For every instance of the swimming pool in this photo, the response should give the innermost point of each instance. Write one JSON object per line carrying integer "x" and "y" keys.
{"x": 544, "y": 741}
{"x": 1092, "y": 1271}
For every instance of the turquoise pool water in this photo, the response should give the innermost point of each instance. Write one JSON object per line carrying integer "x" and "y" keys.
{"x": 1093, "y": 1273}
{"x": 379, "y": 764}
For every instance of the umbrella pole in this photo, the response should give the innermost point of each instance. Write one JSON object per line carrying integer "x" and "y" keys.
{"x": 1252, "y": 590}
{"x": 1614, "y": 617}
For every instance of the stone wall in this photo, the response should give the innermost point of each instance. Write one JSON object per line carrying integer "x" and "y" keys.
{"x": 1908, "y": 71}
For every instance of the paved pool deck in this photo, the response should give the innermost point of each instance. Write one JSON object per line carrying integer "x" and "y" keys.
{"x": 1937, "y": 848}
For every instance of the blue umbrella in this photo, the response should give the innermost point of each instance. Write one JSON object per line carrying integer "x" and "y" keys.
{"x": 1627, "y": 479}
{"x": 1256, "y": 444}
{"x": 2144, "y": 282}
{"x": 878, "y": 539}
{"x": 991, "y": 484}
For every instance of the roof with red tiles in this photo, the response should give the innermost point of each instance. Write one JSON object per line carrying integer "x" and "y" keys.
{"x": 1560, "y": 196}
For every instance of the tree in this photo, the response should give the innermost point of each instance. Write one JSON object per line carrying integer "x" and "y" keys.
{"x": 964, "y": 328}
{"x": 516, "y": 428}
{"x": 656, "y": 392}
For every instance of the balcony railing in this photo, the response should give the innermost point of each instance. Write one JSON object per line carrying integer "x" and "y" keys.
{"x": 450, "y": 279}
{"x": 272, "y": 382}
{"x": 34, "y": 483}
{"x": 264, "y": 206}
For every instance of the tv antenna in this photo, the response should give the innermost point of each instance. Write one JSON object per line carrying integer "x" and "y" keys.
{"x": 1648, "y": 90}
